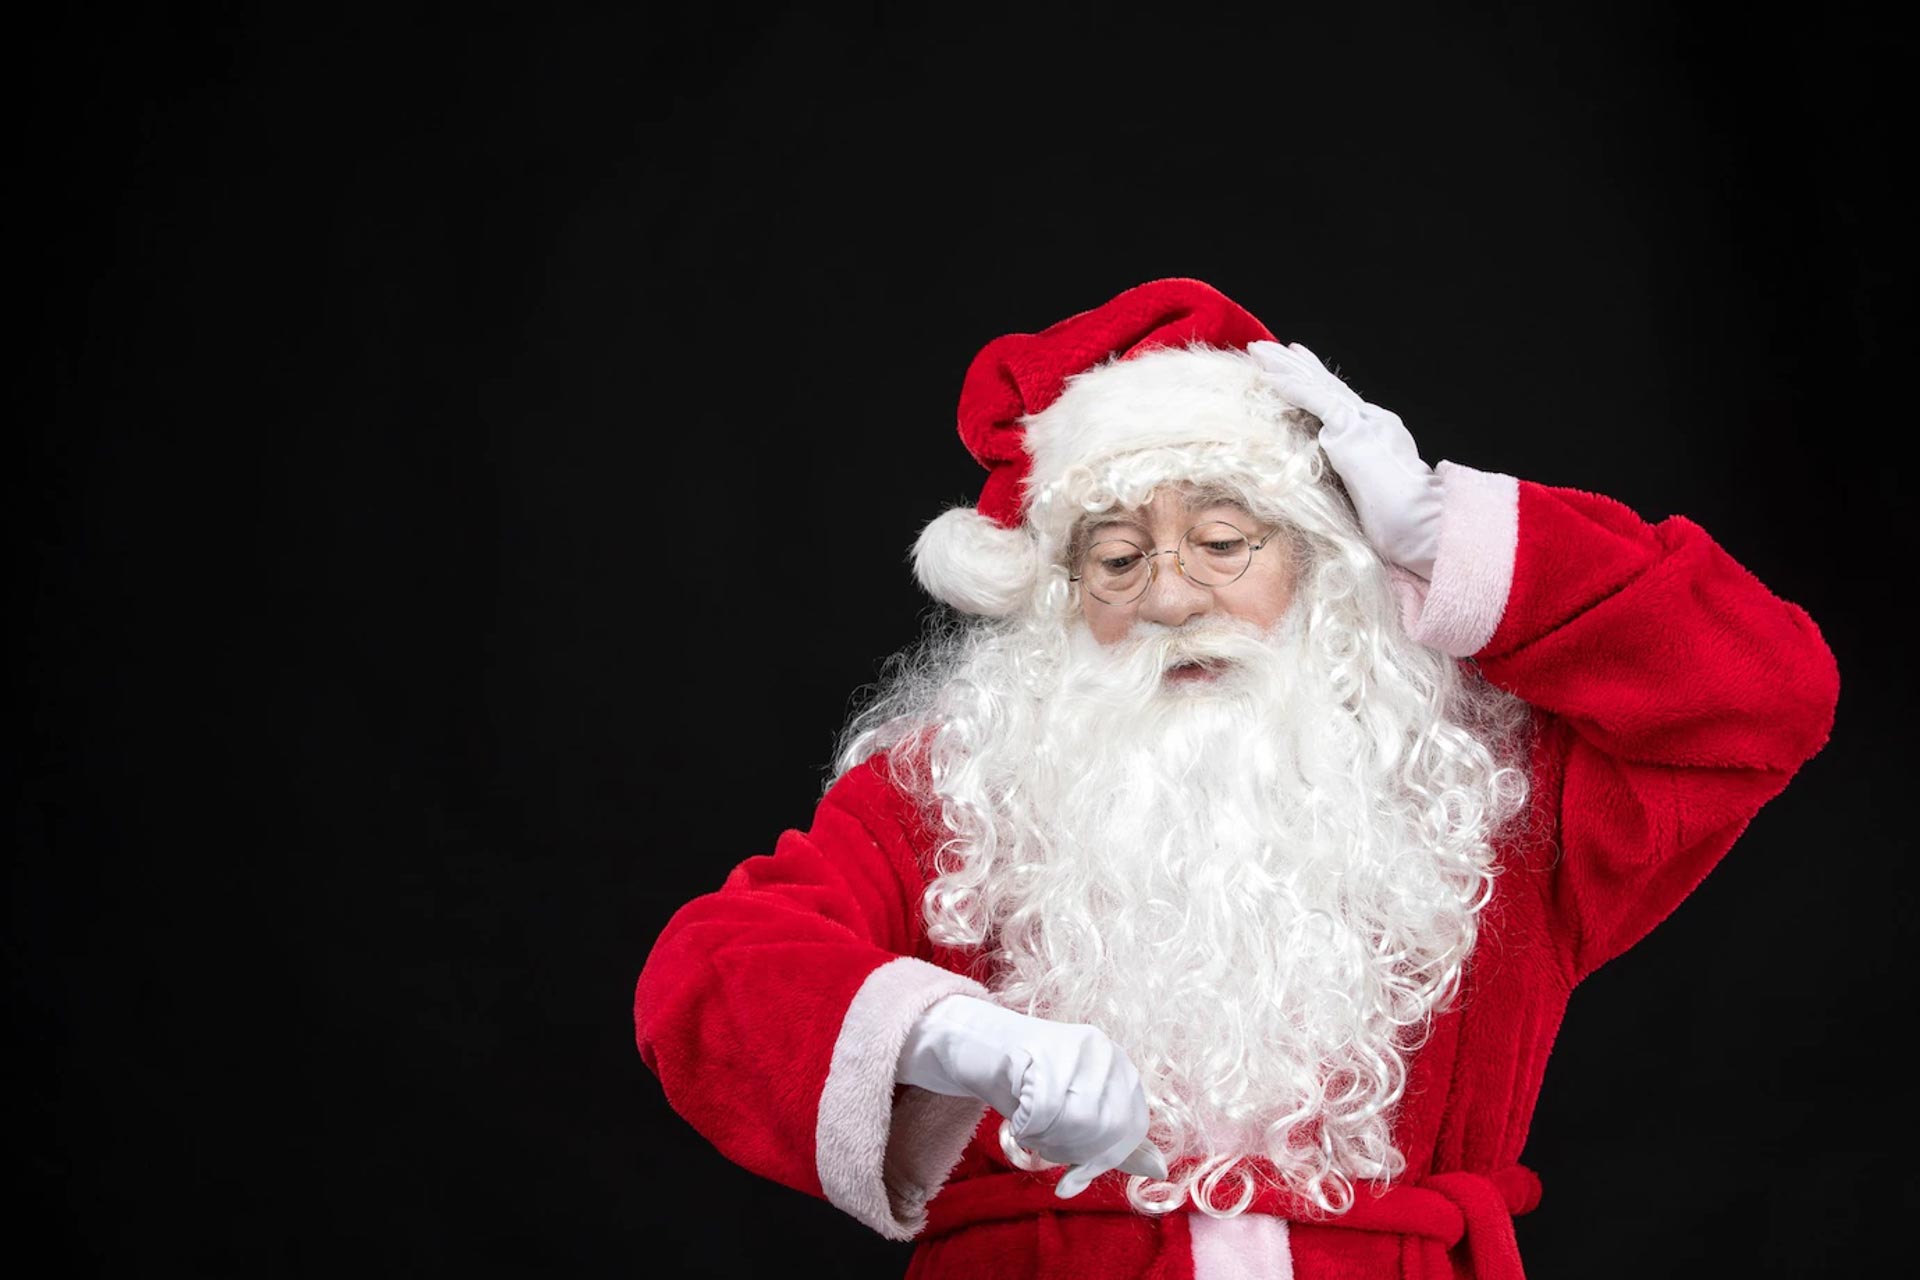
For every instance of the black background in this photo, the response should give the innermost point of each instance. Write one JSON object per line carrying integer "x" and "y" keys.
{"x": 377, "y": 714}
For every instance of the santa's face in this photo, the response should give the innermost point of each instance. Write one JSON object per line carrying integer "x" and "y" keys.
{"x": 1191, "y": 558}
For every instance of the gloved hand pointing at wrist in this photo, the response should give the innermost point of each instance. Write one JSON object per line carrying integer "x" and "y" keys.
{"x": 1069, "y": 1093}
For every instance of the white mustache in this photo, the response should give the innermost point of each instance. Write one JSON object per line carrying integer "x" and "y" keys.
{"x": 1138, "y": 662}
{"x": 1215, "y": 643}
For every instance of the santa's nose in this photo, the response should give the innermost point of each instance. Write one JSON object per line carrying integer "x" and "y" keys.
{"x": 1172, "y": 597}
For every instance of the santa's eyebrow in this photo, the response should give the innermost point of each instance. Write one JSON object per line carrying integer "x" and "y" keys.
{"x": 1117, "y": 521}
{"x": 1207, "y": 499}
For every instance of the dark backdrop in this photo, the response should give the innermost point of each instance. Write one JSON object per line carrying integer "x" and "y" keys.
{"x": 396, "y": 371}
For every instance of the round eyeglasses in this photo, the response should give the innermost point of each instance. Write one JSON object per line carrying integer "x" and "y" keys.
{"x": 1212, "y": 553}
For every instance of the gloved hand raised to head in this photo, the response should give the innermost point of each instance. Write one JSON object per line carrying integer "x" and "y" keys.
{"x": 1068, "y": 1092}
{"x": 1395, "y": 494}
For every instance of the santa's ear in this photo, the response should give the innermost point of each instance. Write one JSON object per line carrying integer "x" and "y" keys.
{"x": 966, "y": 560}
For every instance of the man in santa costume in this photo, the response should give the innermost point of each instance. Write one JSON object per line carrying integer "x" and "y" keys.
{"x": 1204, "y": 898}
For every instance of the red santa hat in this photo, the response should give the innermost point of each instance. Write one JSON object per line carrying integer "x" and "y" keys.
{"x": 1035, "y": 405}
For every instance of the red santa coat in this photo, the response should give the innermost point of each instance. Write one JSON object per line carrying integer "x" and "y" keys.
{"x": 1674, "y": 695}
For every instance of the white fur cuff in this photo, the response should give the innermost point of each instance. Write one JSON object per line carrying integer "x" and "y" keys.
{"x": 879, "y": 1159}
{"x": 1473, "y": 571}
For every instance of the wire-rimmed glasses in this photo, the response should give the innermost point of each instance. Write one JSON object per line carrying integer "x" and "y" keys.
{"x": 1213, "y": 553}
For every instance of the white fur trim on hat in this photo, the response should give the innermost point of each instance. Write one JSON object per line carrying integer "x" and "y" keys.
{"x": 1122, "y": 429}
{"x": 964, "y": 559}
{"x": 1157, "y": 399}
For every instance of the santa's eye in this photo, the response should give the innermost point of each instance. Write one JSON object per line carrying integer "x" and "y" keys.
{"x": 1114, "y": 561}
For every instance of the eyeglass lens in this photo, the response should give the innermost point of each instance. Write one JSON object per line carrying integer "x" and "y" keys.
{"x": 1212, "y": 554}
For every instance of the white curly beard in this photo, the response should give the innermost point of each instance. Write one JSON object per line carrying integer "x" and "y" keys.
{"x": 1233, "y": 879}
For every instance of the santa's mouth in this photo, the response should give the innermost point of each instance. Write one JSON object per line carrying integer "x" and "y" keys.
{"x": 1184, "y": 672}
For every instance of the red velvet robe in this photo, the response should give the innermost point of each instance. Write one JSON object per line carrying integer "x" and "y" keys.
{"x": 1674, "y": 696}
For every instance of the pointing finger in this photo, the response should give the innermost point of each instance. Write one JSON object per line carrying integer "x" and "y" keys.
{"x": 1076, "y": 1181}
{"x": 1079, "y": 1176}
{"x": 1147, "y": 1161}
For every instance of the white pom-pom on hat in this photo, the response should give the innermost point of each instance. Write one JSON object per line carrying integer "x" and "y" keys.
{"x": 968, "y": 561}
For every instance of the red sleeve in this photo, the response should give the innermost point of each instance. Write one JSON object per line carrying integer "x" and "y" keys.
{"x": 1680, "y": 693}
{"x": 773, "y": 1011}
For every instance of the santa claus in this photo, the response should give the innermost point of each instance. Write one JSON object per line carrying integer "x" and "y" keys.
{"x": 1203, "y": 898}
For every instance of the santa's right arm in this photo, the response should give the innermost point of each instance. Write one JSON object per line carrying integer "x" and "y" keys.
{"x": 774, "y": 1009}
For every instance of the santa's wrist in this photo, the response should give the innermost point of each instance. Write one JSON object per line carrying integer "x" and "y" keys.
{"x": 1411, "y": 539}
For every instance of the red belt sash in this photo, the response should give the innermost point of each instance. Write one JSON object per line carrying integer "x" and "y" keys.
{"x": 1442, "y": 1209}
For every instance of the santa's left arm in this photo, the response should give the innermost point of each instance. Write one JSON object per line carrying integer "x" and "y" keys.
{"x": 1681, "y": 694}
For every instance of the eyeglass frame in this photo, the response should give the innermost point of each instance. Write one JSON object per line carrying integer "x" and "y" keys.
{"x": 1179, "y": 560}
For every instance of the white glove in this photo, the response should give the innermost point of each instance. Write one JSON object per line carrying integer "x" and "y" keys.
{"x": 1395, "y": 494}
{"x": 1067, "y": 1091}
